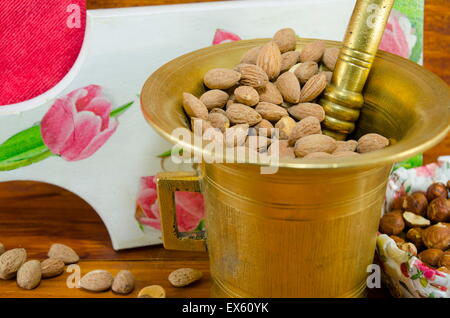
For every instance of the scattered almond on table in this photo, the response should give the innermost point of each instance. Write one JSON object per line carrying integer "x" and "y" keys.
{"x": 64, "y": 253}
{"x": 11, "y": 261}
{"x": 184, "y": 276}
{"x": 29, "y": 274}
{"x": 153, "y": 291}
{"x": 97, "y": 280}
{"x": 275, "y": 86}
{"x": 52, "y": 267}
{"x": 123, "y": 282}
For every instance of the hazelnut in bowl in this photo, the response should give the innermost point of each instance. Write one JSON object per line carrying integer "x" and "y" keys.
{"x": 413, "y": 247}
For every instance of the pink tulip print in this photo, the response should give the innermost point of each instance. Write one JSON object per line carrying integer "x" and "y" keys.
{"x": 78, "y": 124}
{"x": 189, "y": 207}
{"x": 223, "y": 36}
{"x": 399, "y": 37}
{"x": 75, "y": 127}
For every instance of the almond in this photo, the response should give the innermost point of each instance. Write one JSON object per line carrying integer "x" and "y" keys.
{"x": 344, "y": 154}
{"x": 199, "y": 126}
{"x": 437, "y": 236}
{"x": 318, "y": 155}
{"x": 312, "y": 51}
{"x": 330, "y": 56}
{"x": 29, "y": 275}
{"x": 305, "y": 127}
{"x": 314, "y": 143}
{"x": 242, "y": 114}
{"x": 264, "y": 128}
{"x": 328, "y": 75}
{"x": 431, "y": 256}
{"x": 97, "y": 280}
{"x": 281, "y": 149}
{"x": 270, "y": 94}
{"x": 52, "y": 267}
{"x": 218, "y": 111}
{"x": 313, "y": 87}
{"x": 218, "y": 120}
{"x": 288, "y": 60}
{"x": 64, "y": 253}
{"x": 285, "y": 126}
{"x": 304, "y": 110}
{"x": 269, "y": 59}
{"x": 2, "y": 248}
{"x": 371, "y": 142}
{"x": 153, "y": 291}
{"x": 236, "y": 135}
{"x": 252, "y": 75}
{"x": 286, "y": 39}
{"x": 123, "y": 282}
{"x": 246, "y": 95}
{"x": 304, "y": 71}
{"x": 221, "y": 78}
{"x": 444, "y": 260}
{"x": 349, "y": 145}
{"x": 271, "y": 112}
{"x": 251, "y": 55}
{"x": 289, "y": 87}
{"x": 409, "y": 248}
{"x": 414, "y": 220}
{"x": 214, "y": 98}
{"x": 259, "y": 143}
{"x": 10, "y": 262}
{"x": 184, "y": 276}
{"x": 194, "y": 107}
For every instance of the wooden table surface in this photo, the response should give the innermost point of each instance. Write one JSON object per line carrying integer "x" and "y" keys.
{"x": 35, "y": 215}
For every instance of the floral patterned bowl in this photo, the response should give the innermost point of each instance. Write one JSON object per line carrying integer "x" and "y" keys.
{"x": 405, "y": 275}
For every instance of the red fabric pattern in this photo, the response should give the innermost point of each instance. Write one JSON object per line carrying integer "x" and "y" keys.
{"x": 37, "y": 48}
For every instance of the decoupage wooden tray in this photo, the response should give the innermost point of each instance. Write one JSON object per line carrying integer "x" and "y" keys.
{"x": 87, "y": 133}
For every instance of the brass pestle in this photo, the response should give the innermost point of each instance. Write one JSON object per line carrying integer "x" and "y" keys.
{"x": 342, "y": 99}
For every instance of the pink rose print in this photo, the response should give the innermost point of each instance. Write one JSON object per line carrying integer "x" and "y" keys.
{"x": 222, "y": 36}
{"x": 189, "y": 207}
{"x": 78, "y": 124}
{"x": 398, "y": 37}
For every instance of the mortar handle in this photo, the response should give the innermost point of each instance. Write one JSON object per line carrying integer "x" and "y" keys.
{"x": 167, "y": 184}
{"x": 342, "y": 99}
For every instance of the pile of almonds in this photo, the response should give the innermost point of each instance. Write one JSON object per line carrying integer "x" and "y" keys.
{"x": 419, "y": 224}
{"x": 14, "y": 264}
{"x": 275, "y": 86}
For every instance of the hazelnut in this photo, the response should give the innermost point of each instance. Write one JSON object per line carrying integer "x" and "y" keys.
{"x": 416, "y": 203}
{"x": 409, "y": 248}
{"x": 448, "y": 184}
{"x": 398, "y": 240}
{"x": 431, "y": 256}
{"x": 414, "y": 236}
{"x": 444, "y": 269}
{"x": 437, "y": 236}
{"x": 439, "y": 210}
{"x": 445, "y": 259}
{"x": 397, "y": 203}
{"x": 392, "y": 223}
{"x": 436, "y": 190}
{"x": 414, "y": 220}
